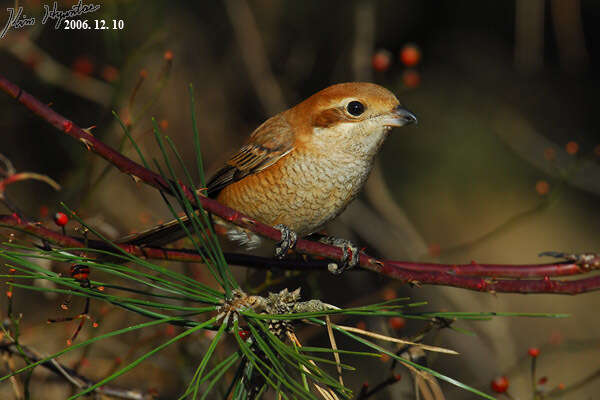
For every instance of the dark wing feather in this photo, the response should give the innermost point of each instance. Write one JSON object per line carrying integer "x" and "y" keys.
{"x": 268, "y": 143}
{"x": 159, "y": 235}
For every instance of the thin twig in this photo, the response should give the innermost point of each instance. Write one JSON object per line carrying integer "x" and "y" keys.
{"x": 190, "y": 255}
{"x": 254, "y": 56}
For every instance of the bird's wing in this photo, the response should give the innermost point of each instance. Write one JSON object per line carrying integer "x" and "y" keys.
{"x": 270, "y": 142}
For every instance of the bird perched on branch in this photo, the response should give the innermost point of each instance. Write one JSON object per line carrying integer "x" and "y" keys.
{"x": 303, "y": 166}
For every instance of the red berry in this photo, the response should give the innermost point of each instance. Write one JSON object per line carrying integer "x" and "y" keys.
{"x": 572, "y": 148}
{"x": 389, "y": 294}
{"x": 410, "y": 55}
{"x": 533, "y": 352}
{"x": 83, "y": 66}
{"x": 61, "y": 219}
{"x": 500, "y": 384}
{"x": 244, "y": 334}
{"x": 170, "y": 330}
{"x": 381, "y": 60}
{"x": 397, "y": 323}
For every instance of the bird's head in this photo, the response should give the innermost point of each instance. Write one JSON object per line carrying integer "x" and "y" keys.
{"x": 354, "y": 116}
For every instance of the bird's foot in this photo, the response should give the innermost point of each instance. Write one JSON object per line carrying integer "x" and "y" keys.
{"x": 350, "y": 250}
{"x": 287, "y": 242}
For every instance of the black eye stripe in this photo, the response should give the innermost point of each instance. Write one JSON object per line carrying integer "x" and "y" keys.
{"x": 355, "y": 108}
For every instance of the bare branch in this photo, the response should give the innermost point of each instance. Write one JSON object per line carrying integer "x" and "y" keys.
{"x": 73, "y": 377}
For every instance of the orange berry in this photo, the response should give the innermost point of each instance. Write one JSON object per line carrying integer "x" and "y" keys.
{"x": 397, "y": 323}
{"x": 572, "y": 148}
{"x": 560, "y": 386}
{"x": 110, "y": 73}
{"x": 542, "y": 187}
{"x": 381, "y": 60}
{"x": 410, "y": 55}
{"x": 164, "y": 124}
{"x": 143, "y": 73}
{"x": 549, "y": 154}
{"x": 168, "y": 55}
{"x": 500, "y": 384}
{"x": 533, "y": 352}
{"x": 411, "y": 78}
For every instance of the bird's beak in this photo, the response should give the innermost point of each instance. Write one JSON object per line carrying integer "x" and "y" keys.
{"x": 400, "y": 116}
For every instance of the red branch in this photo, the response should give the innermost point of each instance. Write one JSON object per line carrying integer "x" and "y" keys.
{"x": 437, "y": 274}
{"x": 156, "y": 253}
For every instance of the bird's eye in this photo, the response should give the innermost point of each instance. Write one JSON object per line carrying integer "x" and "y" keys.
{"x": 355, "y": 108}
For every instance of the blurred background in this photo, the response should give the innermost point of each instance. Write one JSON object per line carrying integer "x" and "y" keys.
{"x": 502, "y": 166}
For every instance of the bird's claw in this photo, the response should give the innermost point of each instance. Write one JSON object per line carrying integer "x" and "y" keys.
{"x": 351, "y": 254}
{"x": 287, "y": 242}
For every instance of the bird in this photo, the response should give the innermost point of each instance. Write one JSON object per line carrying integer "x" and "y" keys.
{"x": 302, "y": 167}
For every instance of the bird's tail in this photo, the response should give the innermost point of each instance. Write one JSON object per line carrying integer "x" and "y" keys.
{"x": 163, "y": 234}
{"x": 160, "y": 235}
